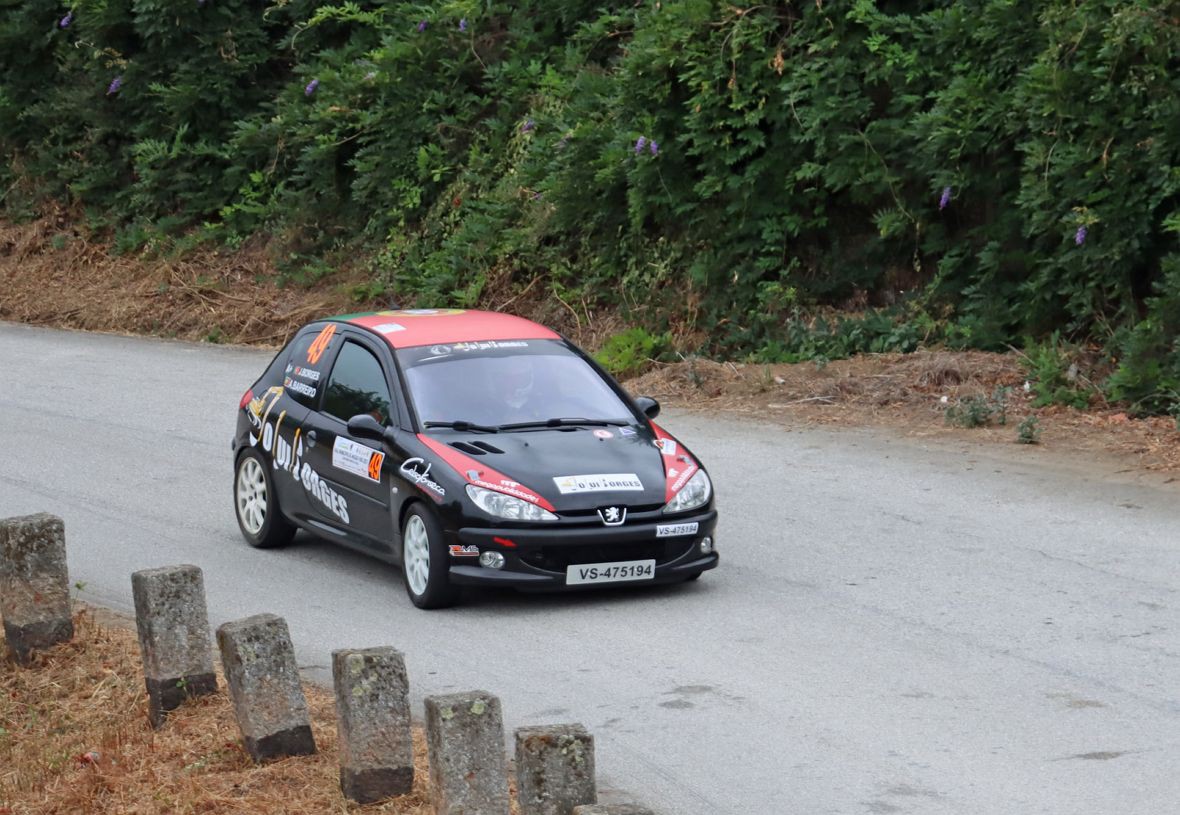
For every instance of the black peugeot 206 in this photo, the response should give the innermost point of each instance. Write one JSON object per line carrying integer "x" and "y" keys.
{"x": 470, "y": 448}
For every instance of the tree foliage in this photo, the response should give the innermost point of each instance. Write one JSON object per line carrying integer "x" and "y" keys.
{"x": 998, "y": 168}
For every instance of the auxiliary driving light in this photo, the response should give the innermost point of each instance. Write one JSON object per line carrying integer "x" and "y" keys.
{"x": 491, "y": 560}
{"x": 706, "y": 546}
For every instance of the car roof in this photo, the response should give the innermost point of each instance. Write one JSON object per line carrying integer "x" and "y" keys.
{"x": 407, "y": 328}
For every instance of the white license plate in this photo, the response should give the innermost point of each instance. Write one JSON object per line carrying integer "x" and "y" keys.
{"x": 672, "y": 530}
{"x": 619, "y": 572}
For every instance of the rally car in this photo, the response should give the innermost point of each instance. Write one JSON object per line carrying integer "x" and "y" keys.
{"x": 470, "y": 448}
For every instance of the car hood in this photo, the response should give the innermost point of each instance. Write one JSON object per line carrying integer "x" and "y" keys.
{"x": 570, "y": 468}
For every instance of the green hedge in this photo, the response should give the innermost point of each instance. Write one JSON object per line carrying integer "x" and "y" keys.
{"x": 994, "y": 168}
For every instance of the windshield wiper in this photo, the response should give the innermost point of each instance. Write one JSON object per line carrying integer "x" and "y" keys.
{"x": 463, "y": 426}
{"x": 571, "y": 422}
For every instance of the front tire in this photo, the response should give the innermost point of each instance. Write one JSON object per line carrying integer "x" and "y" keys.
{"x": 424, "y": 560}
{"x": 257, "y": 506}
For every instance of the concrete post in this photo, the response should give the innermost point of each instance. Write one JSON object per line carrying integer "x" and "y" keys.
{"x": 554, "y": 769}
{"x": 34, "y": 584}
{"x": 173, "y": 637}
{"x": 373, "y": 720}
{"x": 465, "y": 740}
{"x": 263, "y": 680}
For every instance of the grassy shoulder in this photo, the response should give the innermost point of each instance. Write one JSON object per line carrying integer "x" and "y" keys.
{"x": 74, "y": 737}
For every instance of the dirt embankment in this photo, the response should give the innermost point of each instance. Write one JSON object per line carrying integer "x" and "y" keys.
{"x": 51, "y": 274}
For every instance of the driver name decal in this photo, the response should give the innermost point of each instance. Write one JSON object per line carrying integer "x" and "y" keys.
{"x": 606, "y": 482}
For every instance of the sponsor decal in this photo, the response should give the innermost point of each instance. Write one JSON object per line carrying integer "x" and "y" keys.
{"x": 319, "y": 489}
{"x": 357, "y": 459}
{"x": 287, "y": 456}
{"x": 310, "y": 374}
{"x": 508, "y": 487}
{"x": 489, "y": 345}
{"x": 626, "y": 431}
{"x": 604, "y": 434}
{"x": 464, "y": 551}
{"x": 390, "y": 328}
{"x": 320, "y": 344}
{"x": 679, "y": 467}
{"x": 422, "y": 312}
{"x": 602, "y": 482}
{"x": 422, "y": 479}
{"x": 440, "y": 350}
{"x": 299, "y": 387}
{"x": 688, "y": 473}
{"x": 613, "y": 516}
{"x": 673, "y": 530}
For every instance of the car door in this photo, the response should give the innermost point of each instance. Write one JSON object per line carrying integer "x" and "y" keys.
{"x": 349, "y": 479}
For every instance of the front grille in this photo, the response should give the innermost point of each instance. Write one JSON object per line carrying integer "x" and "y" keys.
{"x": 640, "y": 514}
{"x": 557, "y": 558}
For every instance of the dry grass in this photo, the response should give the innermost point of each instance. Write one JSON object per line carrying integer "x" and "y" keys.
{"x": 76, "y": 739}
{"x": 905, "y": 392}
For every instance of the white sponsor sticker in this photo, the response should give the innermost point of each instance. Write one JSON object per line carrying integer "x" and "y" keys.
{"x": 390, "y": 328}
{"x": 357, "y": 459}
{"x": 424, "y": 482}
{"x": 603, "y": 482}
{"x": 667, "y": 446}
{"x": 672, "y": 530}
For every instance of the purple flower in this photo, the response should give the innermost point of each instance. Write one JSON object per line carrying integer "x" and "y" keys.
{"x": 528, "y": 126}
{"x": 654, "y": 147}
{"x": 640, "y": 143}
{"x": 421, "y": 26}
{"x": 1080, "y": 237}
{"x": 537, "y": 196}
{"x": 946, "y": 198}
{"x": 463, "y": 25}
{"x": 116, "y": 83}
{"x": 65, "y": 21}
{"x": 311, "y": 86}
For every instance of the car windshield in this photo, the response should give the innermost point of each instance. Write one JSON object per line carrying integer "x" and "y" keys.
{"x": 506, "y": 382}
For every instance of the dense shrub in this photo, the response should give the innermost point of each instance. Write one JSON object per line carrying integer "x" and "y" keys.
{"x": 975, "y": 171}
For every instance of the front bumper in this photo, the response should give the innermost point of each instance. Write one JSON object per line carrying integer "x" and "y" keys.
{"x": 536, "y": 557}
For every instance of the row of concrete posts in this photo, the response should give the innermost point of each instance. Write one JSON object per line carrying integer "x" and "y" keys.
{"x": 465, "y": 731}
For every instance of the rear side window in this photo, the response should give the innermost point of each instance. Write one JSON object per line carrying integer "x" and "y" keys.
{"x": 304, "y": 376}
{"x": 357, "y": 385}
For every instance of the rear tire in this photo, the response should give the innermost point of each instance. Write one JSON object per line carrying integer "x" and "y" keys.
{"x": 424, "y": 560}
{"x": 256, "y": 504}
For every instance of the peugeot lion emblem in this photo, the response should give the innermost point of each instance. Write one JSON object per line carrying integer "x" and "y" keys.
{"x": 613, "y": 516}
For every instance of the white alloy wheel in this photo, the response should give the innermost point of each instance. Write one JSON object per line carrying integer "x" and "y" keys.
{"x": 251, "y": 495}
{"x": 417, "y": 554}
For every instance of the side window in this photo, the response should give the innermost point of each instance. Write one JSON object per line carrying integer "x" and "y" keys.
{"x": 357, "y": 385}
{"x": 304, "y": 374}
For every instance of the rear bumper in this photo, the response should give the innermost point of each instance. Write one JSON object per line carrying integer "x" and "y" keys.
{"x": 537, "y": 557}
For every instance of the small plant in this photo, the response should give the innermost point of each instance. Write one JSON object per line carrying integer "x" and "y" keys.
{"x": 974, "y": 411}
{"x": 80, "y": 585}
{"x": 215, "y": 335}
{"x": 1028, "y": 431}
{"x": 980, "y": 411}
{"x": 631, "y": 351}
{"x": 1055, "y": 380}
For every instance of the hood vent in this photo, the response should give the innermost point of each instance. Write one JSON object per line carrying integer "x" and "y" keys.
{"x": 476, "y": 448}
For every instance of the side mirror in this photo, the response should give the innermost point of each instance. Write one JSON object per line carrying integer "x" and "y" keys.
{"x": 649, "y": 406}
{"x": 366, "y": 427}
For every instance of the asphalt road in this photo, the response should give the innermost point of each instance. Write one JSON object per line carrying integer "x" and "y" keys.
{"x": 894, "y": 628}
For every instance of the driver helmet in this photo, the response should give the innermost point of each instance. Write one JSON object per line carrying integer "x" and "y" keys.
{"x": 512, "y": 380}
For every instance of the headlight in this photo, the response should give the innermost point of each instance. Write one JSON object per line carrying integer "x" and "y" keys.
{"x": 499, "y": 505}
{"x": 692, "y": 495}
